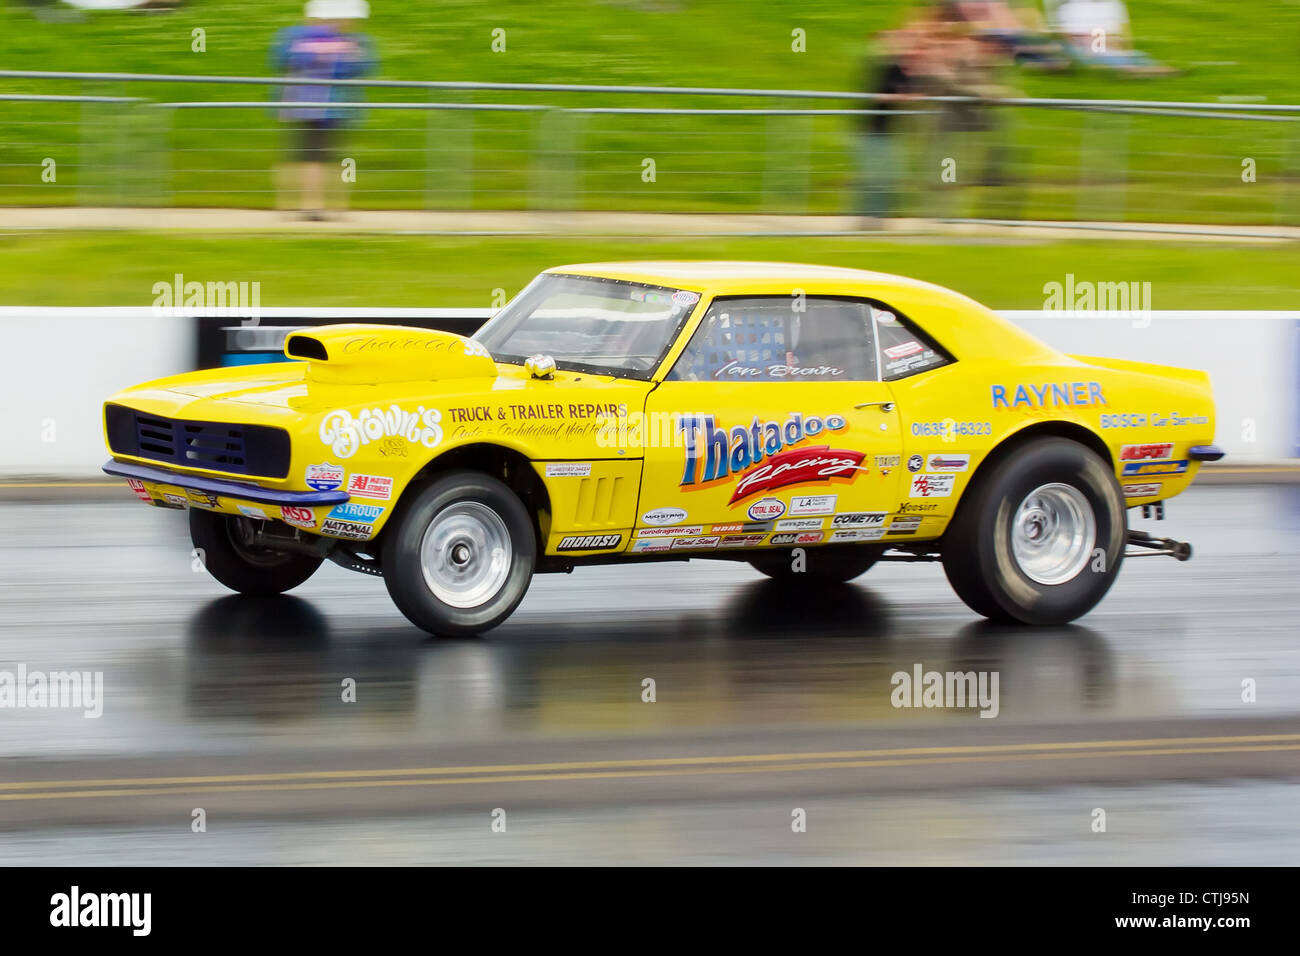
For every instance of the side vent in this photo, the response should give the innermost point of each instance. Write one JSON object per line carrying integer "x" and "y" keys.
{"x": 595, "y": 507}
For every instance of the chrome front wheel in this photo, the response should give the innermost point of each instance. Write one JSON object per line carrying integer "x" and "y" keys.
{"x": 465, "y": 554}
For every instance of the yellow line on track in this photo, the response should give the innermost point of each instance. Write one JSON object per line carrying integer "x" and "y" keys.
{"x": 662, "y": 767}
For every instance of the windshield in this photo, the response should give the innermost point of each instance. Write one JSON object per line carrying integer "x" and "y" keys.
{"x": 605, "y": 326}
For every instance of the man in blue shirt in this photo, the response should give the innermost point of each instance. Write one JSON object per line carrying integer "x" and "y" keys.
{"x": 324, "y": 48}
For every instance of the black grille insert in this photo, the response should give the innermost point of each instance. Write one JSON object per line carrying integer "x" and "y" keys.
{"x": 215, "y": 446}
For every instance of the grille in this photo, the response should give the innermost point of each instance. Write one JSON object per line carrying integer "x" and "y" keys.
{"x": 215, "y": 446}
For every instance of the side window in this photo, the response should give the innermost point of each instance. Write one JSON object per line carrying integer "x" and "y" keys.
{"x": 781, "y": 339}
{"x": 904, "y": 349}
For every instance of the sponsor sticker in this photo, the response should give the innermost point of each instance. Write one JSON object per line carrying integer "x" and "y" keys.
{"x": 742, "y": 541}
{"x": 868, "y": 534}
{"x": 1145, "y": 452}
{"x": 1155, "y": 469}
{"x": 799, "y": 524}
{"x": 915, "y": 463}
{"x": 685, "y": 299}
{"x": 250, "y": 512}
{"x": 346, "y": 529}
{"x": 662, "y": 516}
{"x": 589, "y": 542}
{"x": 201, "y": 498}
{"x": 860, "y": 519}
{"x": 179, "y": 501}
{"x": 912, "y": 522}
{"x": 568, "y": 469}
{"x": 947, "y": 463}
{"x": 351, "y": 511}
{"x": 140, "y": 490}
{"x": 653, "y": 544}
{"x": 904, "y": 350}
{"x": 370, "y": 486}
{"x": 812, "y": 504}
{"x": 394, "y": 428}
{"x": 695, "y": 544}
{"x": 670, "y": 532}
{"x": 804, "y": 537}
{"x": 1142, "y": 491}
{"x": 733, "y": 528}
{"x": 931, "y": 486}
{"x": 324, "y": 477}
{"x": 765, "y": 509}
{"x": 298, "y": 517}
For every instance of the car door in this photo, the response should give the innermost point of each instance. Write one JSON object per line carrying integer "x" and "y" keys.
{"x": 772, "y": 427}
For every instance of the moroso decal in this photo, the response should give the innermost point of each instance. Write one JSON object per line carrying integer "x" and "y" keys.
{"x": 589, "y": 542}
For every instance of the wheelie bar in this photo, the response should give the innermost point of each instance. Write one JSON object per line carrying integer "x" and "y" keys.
{"x": 1153, "y": 546}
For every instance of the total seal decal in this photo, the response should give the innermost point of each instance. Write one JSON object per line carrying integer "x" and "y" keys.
{"x": 589, "y": 542}
{"x": 346, "y": 435}
{"x": 760, "y": 454}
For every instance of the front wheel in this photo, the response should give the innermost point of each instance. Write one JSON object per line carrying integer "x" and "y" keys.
{"x": 458, "y": 555}
{"x": 1040, "y": 538}
{"x": 224, "y": 545}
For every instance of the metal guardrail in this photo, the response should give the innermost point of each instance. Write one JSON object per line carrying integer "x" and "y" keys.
{"x": 1104, "y": 161}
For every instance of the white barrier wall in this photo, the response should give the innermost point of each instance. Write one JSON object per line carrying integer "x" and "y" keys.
{"x": 58, "y": 365}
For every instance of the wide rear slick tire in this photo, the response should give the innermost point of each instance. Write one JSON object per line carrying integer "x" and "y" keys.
{"x": 1040, "y": 538}
{"x": 458, "y": 554}
{"x": 241, "y": 566}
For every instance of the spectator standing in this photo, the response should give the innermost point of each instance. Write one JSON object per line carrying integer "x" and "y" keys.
{"x": 326, "y": 47}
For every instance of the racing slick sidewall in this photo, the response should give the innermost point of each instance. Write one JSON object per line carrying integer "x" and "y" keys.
{"x": 1008, "y": 592}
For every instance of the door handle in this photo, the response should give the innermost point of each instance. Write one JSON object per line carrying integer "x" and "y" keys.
{"x": 884, "y": 406}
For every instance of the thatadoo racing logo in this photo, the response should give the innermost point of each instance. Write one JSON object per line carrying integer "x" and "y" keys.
{"x": 760, "y": 453}
{"x": 346, "y": 435}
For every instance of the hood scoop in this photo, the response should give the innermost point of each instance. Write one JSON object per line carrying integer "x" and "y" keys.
{"x": 357, "y": 354}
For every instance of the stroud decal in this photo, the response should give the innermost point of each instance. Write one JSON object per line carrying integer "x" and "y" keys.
{"x": 354, "y": 512}
{"x": 589, "y": 542}
{"x": 346, "y": 435}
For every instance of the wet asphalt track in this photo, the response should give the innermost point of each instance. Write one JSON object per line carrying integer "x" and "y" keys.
{"x": 767, "y": 701}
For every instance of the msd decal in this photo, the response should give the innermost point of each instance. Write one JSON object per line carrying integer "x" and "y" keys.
{"x": 300, "y": 517}
{"x": 1144, "y": 452}
{"x": 760, "y": 453}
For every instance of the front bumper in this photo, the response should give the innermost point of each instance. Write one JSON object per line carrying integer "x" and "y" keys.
{"x": 229, "y": 489}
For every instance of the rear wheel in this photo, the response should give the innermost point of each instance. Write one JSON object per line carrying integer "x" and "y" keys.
{"x": 829, "y": 565}
{"x": 1040, "y": 538}
{"x": 225, "y": 547}
{"x": 458, "y": 555}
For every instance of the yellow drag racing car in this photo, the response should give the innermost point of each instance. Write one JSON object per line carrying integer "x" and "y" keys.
{"x": 807, "y": 420}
